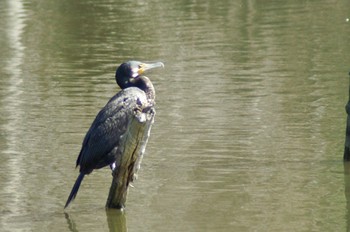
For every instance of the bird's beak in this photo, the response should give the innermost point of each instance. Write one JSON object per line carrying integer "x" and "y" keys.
{"x": 144, "y": 67}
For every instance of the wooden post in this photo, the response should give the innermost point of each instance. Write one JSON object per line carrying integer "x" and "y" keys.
{"x": 133, "y": 145}
{"x": 347, "y": 136}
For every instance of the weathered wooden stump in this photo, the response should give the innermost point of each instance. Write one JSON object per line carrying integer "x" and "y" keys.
{"x": 347, "y": 136}
{"x": 132, "y": 148}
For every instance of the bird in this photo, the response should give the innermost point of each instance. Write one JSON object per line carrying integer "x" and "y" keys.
{"x": 102, "y": 140}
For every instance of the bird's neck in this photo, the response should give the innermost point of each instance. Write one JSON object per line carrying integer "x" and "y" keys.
{"x": 143, "y": 83}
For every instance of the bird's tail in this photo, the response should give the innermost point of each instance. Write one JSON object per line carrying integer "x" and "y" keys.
{"x": 75, "y": 189}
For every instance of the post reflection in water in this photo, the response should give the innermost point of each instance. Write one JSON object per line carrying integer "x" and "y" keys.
{"x": 347, "y": 193}
{"x": 12, "y": 112}
{"x": 116, "y": 221}
{"x": 250, "y": 113}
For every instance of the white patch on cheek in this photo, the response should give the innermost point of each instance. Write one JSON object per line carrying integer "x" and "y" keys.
{"x": 134, "y": 72}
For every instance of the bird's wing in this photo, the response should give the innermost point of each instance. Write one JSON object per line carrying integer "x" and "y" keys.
{"x": 100, "y": 145}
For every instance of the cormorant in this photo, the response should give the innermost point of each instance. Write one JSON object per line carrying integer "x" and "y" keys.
{"x": 101, "y": 142}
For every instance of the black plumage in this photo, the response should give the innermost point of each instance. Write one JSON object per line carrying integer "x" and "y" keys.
{"x": 101, "y": 142}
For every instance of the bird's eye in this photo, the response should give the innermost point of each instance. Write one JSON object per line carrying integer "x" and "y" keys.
{"x": 140, "y": 66}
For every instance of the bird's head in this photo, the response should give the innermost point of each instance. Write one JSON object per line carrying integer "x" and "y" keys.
{"x": 128, "y": 71}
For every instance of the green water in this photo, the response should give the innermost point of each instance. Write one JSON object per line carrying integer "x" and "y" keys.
{"x": 250, "y": 123}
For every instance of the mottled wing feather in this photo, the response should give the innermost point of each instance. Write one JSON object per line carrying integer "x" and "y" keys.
{"x": 100, "y": 145}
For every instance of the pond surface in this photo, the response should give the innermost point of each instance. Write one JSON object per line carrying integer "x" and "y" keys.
{"x": 250, "y": 124}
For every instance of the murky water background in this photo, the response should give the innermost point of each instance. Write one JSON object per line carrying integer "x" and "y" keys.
{"x": 250, "y": 122}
